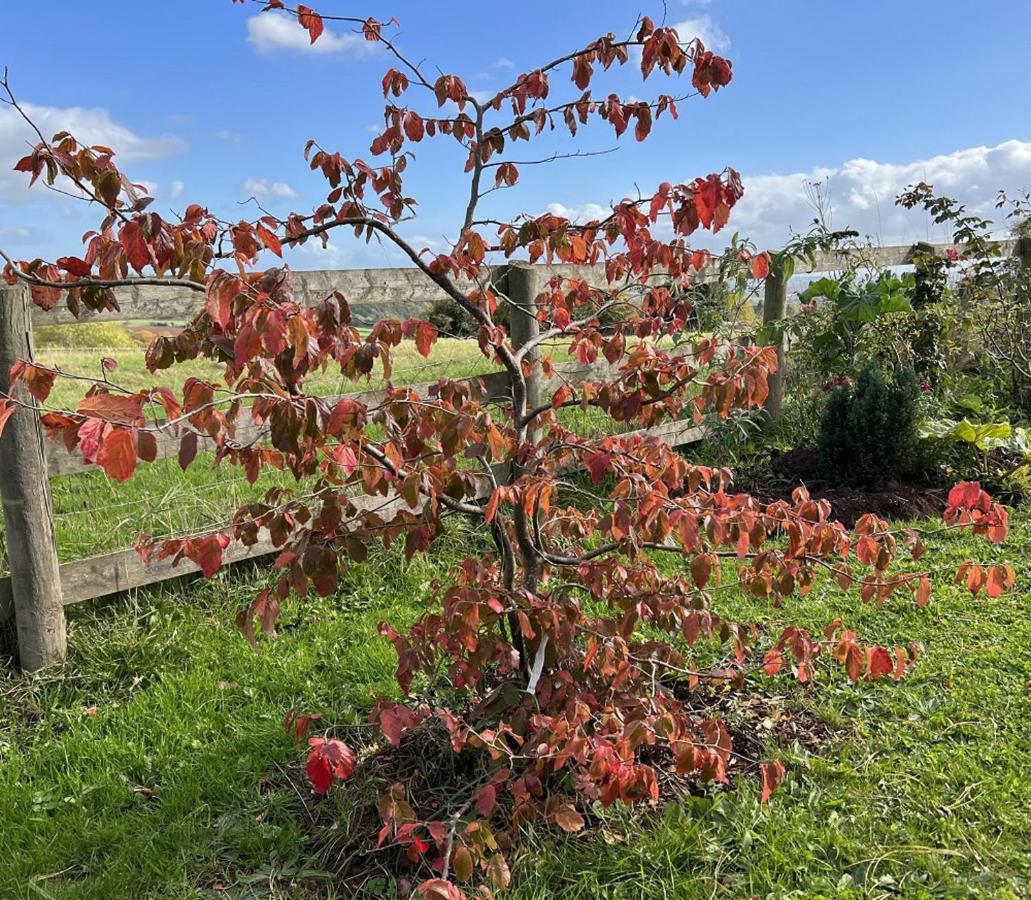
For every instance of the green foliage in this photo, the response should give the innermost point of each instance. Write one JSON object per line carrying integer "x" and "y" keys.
{"x": 452, "y": 320}
{"x": 840, "y": 336}
{"x": 869, "y": 433}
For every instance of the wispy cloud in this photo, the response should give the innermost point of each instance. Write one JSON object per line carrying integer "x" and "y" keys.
{"x": 89, "y": 125}
{"x": 272, "y": 33}
{"x": 707, "y": 30}
{"x": 860, "y": 194}
{"x": 261, "y": 187}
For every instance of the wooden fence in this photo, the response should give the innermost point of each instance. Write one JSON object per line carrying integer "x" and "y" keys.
{"x": 38, "y": 587}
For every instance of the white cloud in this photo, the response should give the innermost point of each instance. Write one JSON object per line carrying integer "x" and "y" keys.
{"x": 709, "y": 31}
{"x": 502, "y": 62}
{"x": 176, "y": 189}
{"x": 260, "y": 187}
{"x": 15, "y": 234}
{"x": 860, "y": 194}
{"x": 230, "y": 137}
{"x": 89, "y": 125}
{"x": 580, "y": 214}
{"x": 271, "y": 33}
{"x": 434, "y": 245}
{"x": 330, "y": 256}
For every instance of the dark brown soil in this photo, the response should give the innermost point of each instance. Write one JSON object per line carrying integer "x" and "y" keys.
{"x": 895, "y": 502}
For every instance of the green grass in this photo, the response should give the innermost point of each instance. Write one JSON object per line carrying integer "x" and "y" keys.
{"x": 175, "y": 783}
{"x": 451, "y": 358}
{"x": 162, "y": 500}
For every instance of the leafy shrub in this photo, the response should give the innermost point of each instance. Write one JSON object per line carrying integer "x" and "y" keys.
{"x": 869, "y": 432}
{"x": 451, "y": 320}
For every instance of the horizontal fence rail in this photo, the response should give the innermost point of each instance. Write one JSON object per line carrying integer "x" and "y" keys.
{"x": 112, "y": 573}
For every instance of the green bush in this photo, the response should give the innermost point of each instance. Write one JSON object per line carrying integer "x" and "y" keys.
{"x": 84, "y": 336}
{"x": 451, "y": 320}
{"x": 869, "y": 434}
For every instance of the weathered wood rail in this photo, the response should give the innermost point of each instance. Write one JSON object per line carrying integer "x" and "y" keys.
{"x": 37, "y": 587}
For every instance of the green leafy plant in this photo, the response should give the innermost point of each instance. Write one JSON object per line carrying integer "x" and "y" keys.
{"x": 869, "y": 433}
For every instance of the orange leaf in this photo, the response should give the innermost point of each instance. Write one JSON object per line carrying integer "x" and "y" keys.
{"x": 567, "y": 818}
{"x": 772, "y": 774}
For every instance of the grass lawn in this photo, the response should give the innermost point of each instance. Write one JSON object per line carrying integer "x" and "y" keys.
{"x": 175, "y": 784}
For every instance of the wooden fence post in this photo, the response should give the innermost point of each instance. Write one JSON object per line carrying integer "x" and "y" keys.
{"x": 28, "y": 515}
{"x": 1023, "y": 251}
{"x": 523, "y": 282}
{"x": 775, "y": 304}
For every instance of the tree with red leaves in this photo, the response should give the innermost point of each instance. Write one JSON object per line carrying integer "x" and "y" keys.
{"x": 565, "y": 652}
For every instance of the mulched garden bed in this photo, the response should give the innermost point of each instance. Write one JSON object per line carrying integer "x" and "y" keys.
{"x": 800, "y": 467}
{"x": 345, "y": 845}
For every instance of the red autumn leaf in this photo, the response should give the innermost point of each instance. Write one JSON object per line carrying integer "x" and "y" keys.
{"x": 311, "y": 21}
{"x": 206, "y": 552}
{"x": 114, "y": 408}
{"x": 146, "y": 446}
{"x": 975, "y": 579}
{"x": 425, "y": 335}
{"x": 772, "y": 775}
{"x": 773, "y": 662}
{"x": 761, "y": 265}
{"x": 7, "y": 409}
{"x": 439, "y": 889}
{"x": 117, "y": 453}
{"x": 319, "y": 774}
{"x": 74, "y": 266}
{"x": 134, "y": 243}
{"x": 1000, "y": 579}
{"x": 923, "y": 591}
{"x": 598, "y": 465}
{"x": 270, "y": 239}
{"x": 965, "y": 495}
{"x": 413, "y": 125}
{"x": 329, "y": 759}
{"x": 879, "y": 663}
{"x": 187, "y": 449}
{"x": 488, "y": 514}
{"x": 38, "y": 380}
{"x": 486, "y": 799}
{"x": 392, "y": 725}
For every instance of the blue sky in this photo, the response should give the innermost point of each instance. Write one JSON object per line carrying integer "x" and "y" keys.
{"x": 210, "y": 104}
